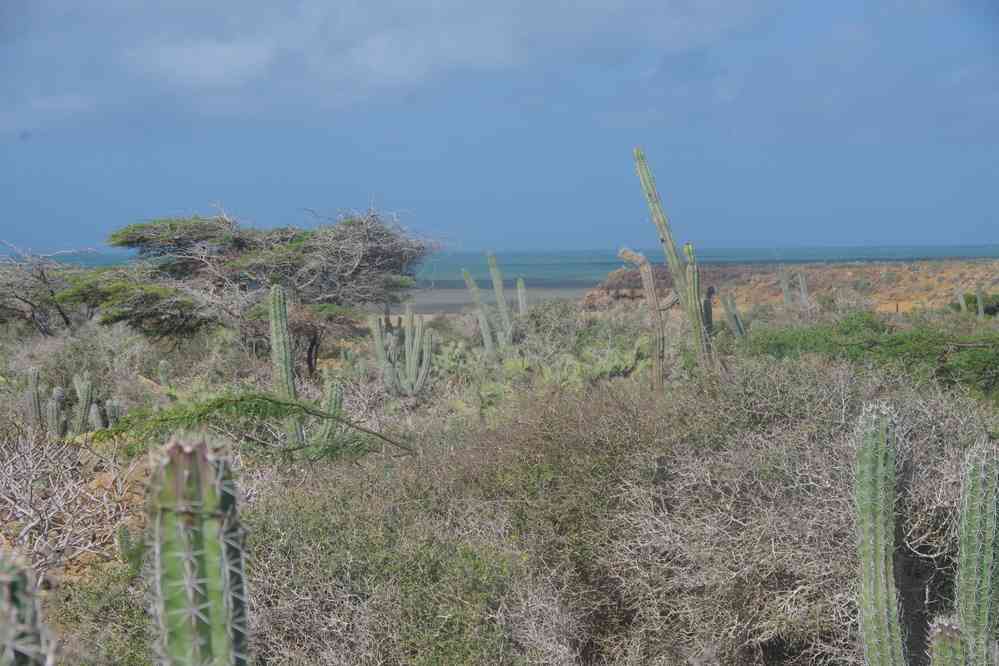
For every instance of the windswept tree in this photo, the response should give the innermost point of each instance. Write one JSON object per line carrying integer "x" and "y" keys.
{"x": 29, "y": 285}
{"x": 200, "y": 271}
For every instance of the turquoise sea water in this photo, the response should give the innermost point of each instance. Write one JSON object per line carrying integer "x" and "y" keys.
{"x": 583, "y": 269}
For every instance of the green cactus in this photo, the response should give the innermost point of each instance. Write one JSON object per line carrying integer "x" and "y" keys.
{"x": 505, "y": 334}
{"x": 281, "y": 360}
{"x": 803, "y": 290}
{"x": 24, "y": 641}
{"x": 96, "y": 418}
{"x": 977, "y": 541}
{"x": 36, "y": 413}
{"x": 655, "y": 311}
{"x": 201, "y": 602}
{"x": 480, "y": 308}
{"x": 946, "y": 645}
{"x": 697, "y": 312}
{"x": 732, "y": 316}
{"x": 521, "y": 297}
{"x": 785, "y": 284}
{"x": 55, "y": 421}
{"x": 874, "y": 498}
{"x": 163, "y": 373}
{"x": 114, "y": 411}
{"x": 405, "y": 369}
{"x": 673, "y": 261}
{"x": 84, "y": 400}
{"x": 960, "y": 300}
{"x": 980, "y": 300}
{"x": 333, "y": 404}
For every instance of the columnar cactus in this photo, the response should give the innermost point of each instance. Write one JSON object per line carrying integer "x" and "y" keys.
{"x": 732, "y": 316}
{"x": 163, "y": 372}
{"x": 404, "y": 370}
{"x": 281, "y": 359}
{"x": 200, "y": 590}
{"x": 980, "y": 300}
{"x": 96, "y": 418}
{"x": 946, "y": 645}
{"x": 114, "y": 411}
{"x": 655, "y": 311}
{"x": 480, "y": 308}
{"x": 785, "y": 284}
{"x": 521, "y": 297}
{"x": 36, "y": 413}
{"x": 84, "y": 400}
{"x": 332, "y": 404}
{"x": 505, "y": 334}
{"x": 24, "y": 641}
{"x": 696, "y": 310}
{"x": 676, "y": 267}
{"x": 978, "y": 530}
{"x": 55, "y": 421}
{"x": 874, "y": 498}
{"x": 959, "y": 295}
{"x": 803, "y": 290}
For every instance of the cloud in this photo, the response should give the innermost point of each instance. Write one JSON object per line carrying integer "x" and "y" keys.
{"x": 207, "y": 63}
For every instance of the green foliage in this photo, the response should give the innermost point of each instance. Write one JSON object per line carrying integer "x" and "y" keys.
{"x": 990, "y": 304}
{"x": 199, "y": 581}
{"x": 968, "y": 360}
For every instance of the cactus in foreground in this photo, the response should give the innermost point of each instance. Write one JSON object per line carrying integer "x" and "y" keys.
{"x": 33, "y": 397}
{"x": 521, "y": 297}
{"x": 55, "y": 421}
{"x": 505, "y": 334}
{"x": 24, "y": 641}
{"x": 281, "y": 359}
{"x": 732, "y": 316}
{"x": 480, "y": 308}
{"x": 978, "y": 538}
{"x": 404, "y": 370}
{"x": 200, "y": 591}
{"x": 874, "y": 498}
{"x": 946, "y": 644}
{"x": 84, "y": 400}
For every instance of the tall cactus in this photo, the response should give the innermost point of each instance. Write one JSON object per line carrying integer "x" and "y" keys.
{"x": 521, "y": 297}
{"x": 404, "y": 370}
{"x": 697, "y": 312}
{"x": 732, "y": 316}
{"x": 505, "y": 334}
{"x": 33, "y": 397}
{"x": 84, "y": 400}
{"x": 480, "y": 309}
{"x": 978, "y": 538}
{"x": 55, "y": 421}
{"x": 874, "y": 498}
{"x": 281, "y": 359}
{"x": 200, "y": 588}
{"x": 24, "y": 641}
{"x": 676, "y": 267}
{"x": 655, "y": 311}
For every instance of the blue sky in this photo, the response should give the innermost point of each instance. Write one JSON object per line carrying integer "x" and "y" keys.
{"x": 507, "y": 124}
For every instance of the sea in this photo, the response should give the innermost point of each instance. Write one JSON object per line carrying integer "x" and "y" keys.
{"x": 569, "y": 274}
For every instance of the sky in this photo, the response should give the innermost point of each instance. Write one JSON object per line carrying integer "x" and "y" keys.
{"x": 508, "y": 124}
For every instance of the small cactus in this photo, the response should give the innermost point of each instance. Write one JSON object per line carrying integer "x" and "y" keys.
{"x": 521, "y": 297}
{"x": 281, "y": 359}
{"x": 54, "y": 419}
{"x": 114, "y": 411}
{"x": 24, "y": 641}
{"x": 163, "y": 373}
{"x": 655, "y": 311}
{"x": 505, "y": 334}
{"x": 84, "y": 400}
{"x": 333, "y": 404}
{"x": 732, "y": 316}
{"x": 480, "y": 308}
{"x": 405, "y": 369}
{"x": 200, "y": 590}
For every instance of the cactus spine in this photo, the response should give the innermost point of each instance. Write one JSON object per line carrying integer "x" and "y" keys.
{"x": 36, "y": 413}
{"x": 84, "y": 400}
{"x": 281, "y": 359}
{"x": 977, "y": 541}
{"x": 480, "y": 308}
{"x": 505, "y": 334}
{"x": 656, "y": 312}
{"x": 24, "y": 641}
{"x": 199, "y": 569}
{"x": 521, "y": 297}
{"x": 874, "y": 498}
{"x": 946, "y": 645}
{"x": 732, "y": 316}
{"x": 406, "y": 375}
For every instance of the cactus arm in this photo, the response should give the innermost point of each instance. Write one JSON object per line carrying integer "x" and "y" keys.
{"x": 694, "y": 307}
{"x": 333, "y": 404}
{"x": 732, "y": 316}
{"x": 659, "y": 218}
{"x": 521, "y": 297}
{"x": 655, "y": 310}
{"x": 946, "y": 645}
{"x": 281, "y": 359}
{"x": 980, "y": 300}
{"x": 487, "y": 336}
{"x": 874, "y": 501}
{"x": 977, "y": 540}
{"x": 504, "y": 309}
{"x": 425, "y": 361}
{"x": 85, "y": 398}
